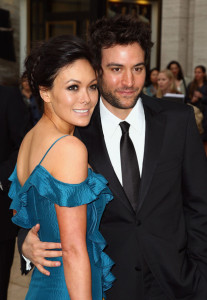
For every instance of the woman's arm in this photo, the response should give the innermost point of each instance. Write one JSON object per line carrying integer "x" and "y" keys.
{"x": 72, "y": 225}
{"x": 72, "y": 167}
{"x": 203, "y": 94}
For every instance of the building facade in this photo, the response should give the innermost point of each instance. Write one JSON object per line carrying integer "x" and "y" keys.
{"x": 184, "y": 33}
{"x": 178, "y": 27}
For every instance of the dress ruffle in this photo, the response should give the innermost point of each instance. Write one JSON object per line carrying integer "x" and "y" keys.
{"x": 102, "y": 260}
{"x": 69, "y": 195}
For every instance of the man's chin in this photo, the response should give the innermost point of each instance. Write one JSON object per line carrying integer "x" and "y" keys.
{"x": 126, "y": 106}
{"x": 127, "y": 102}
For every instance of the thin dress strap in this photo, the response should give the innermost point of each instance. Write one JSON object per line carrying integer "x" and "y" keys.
{"x": 52, "y": 146}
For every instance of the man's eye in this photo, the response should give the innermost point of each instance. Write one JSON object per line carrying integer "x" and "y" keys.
{"x": 73, "y": 87}
{"x": 138, "y": 69}
{"x": 115, "y": 69}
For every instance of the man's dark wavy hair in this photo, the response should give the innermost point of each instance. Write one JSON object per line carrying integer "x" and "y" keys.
{"x": 118, "y": 30}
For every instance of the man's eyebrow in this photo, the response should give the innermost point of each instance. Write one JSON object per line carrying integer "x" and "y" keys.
{"x": 113, "y": 64}
{"x": 140, "y": 64}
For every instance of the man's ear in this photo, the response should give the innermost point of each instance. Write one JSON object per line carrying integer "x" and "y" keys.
{"x": 44, "y": 93}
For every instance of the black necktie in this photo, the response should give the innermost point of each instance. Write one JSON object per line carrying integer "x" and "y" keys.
{"x": 129, "y": 166}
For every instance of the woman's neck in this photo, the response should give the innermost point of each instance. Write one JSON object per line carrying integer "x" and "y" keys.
{"x": 62, "y": 127}
{"x": 165, "y": 92}
{"x": 200, "y": 82}
{"x": 178, "y": 82}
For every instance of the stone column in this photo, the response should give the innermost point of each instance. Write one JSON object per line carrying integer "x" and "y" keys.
{"x": 9, "y": 70}
{"x": 184, "y": 34}
{"x": 197, "y": 42}
{"x": 174, "y": 34}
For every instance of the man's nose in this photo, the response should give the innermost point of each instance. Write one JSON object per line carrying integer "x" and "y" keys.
{"x": 128, "y": 79}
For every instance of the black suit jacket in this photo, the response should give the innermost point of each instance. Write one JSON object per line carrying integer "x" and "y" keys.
{"x": 168, "y": 232}
{"x": 14, "y": 122}
{"x": 167, "y": 235}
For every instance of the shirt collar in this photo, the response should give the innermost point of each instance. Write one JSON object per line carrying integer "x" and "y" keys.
{"x": 110, "y": 122}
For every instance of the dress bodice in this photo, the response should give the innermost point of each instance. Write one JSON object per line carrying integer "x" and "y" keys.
{"x": 34, "y": 203}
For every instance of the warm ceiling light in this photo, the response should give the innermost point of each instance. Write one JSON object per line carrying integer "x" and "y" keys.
{"x": 132, "y": 2}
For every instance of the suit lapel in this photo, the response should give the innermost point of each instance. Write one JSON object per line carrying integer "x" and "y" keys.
{"x": 99, "y": 160}
{"x": 155, "y": 128}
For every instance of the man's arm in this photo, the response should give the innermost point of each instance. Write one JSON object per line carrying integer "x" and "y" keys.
{"x": 195, "y": 195}
{"x": 36, "y": 251}
{"x": 22, "y": 233}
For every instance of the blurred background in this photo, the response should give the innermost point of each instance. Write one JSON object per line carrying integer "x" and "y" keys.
{"x": 178, "y": 28}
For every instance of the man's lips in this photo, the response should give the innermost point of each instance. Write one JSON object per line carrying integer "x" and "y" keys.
{"x": 126, "y": 92}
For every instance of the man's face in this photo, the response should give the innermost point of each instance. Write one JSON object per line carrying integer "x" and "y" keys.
{"x": 123, "y": 77}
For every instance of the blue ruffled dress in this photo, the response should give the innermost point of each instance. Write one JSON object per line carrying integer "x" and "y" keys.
{"x": 34, "y": 203}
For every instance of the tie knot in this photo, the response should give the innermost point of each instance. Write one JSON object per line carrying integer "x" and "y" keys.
{"x": 124, "y": 127}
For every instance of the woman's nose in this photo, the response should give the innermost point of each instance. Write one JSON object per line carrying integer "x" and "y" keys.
{"x": 85, "y": 98}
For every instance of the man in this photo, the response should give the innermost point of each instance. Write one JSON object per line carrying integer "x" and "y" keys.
{"x": 13, "y": 124}
{"x": 156, "y": 230}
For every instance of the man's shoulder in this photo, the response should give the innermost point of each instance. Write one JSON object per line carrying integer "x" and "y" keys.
{"x": 165, "y": 105}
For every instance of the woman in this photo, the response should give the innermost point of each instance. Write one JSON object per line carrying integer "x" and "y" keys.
{"x": 198, "y": 87}
{"x": 167, "y": 86}
{"x": 180, "y": 81}
{"x": 52, "y": 183}
{"x": 167, "y": 90}
{"x": 151, "y": 87}
{"x": 197, "y": 95}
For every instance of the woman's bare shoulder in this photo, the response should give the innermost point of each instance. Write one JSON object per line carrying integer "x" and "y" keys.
{"x": 71, "y": 150}
{"x": 74, "y": 145}
{"x": 71, "y": 160}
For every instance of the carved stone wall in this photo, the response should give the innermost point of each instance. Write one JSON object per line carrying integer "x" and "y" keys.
{"x": 184, "y": 34}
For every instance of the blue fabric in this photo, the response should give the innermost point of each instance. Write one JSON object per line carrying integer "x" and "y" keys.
{"x": 34, "y": 203}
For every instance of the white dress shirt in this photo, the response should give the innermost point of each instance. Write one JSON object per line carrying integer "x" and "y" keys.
{"x": 112, "y": 134}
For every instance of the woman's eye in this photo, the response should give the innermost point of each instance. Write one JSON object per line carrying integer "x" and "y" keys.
{"x": 73, "y": 87}
{"x": 93, "y": 87}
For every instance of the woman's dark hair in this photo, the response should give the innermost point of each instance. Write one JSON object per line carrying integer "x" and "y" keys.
{"x": 48, "y": 57}
{"x": 118, "y": 30}
{"x": 148, "y": 81}
{"x": 24, "y": 76}
{"x": 202, "y": 68}
{"x": 180, "y": 72}
{"x": 193, "y": 86}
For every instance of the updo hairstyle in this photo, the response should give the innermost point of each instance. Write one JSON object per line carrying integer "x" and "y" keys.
{"x": 48, "y": 57}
